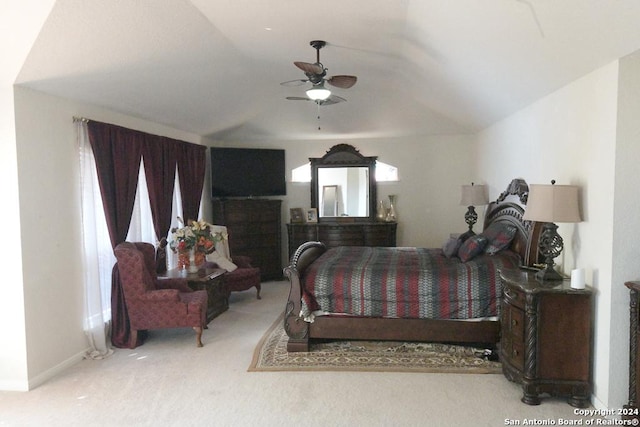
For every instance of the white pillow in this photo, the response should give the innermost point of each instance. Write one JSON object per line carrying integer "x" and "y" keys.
{"x": 222, "y": 262}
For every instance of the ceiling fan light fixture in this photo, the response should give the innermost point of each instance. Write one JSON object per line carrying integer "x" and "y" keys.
{"x": 318, "y": 93}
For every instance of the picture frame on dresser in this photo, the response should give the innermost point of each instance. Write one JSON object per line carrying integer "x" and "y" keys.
{"x": 296, "y": 215}
{"x": 312, "y": 215}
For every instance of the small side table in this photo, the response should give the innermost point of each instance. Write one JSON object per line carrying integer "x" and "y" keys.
{"x": 546, "y": 337}
{"x": 210, "y": 280}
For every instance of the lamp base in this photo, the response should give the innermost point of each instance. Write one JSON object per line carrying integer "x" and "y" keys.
{"x": 548, "y": 274}
{"x": 470, "y": 218}
{"x": 464, "y": 236}
{"x": 550, "y": 246}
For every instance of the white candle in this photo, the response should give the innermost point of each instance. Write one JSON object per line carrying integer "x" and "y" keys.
{"x": 577, "y": 278}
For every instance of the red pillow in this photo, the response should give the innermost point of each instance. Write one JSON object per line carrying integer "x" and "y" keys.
{"x": 499, "y": 235}
{"x": 471, "y": 247}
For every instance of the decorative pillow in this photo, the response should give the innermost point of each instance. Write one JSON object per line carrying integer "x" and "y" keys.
{"x": 471, "y": 247}
{"x": 451, "y": 246}
{"x": 499, "y": 235}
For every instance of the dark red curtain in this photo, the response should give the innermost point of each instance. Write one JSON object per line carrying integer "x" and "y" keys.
{"x": 159, "y": 154}
{"x": 117, "y": 152}
{"x": 191, "y": 170}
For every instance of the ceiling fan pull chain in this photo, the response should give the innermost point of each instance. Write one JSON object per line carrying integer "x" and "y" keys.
{"x": 318, "y": 115}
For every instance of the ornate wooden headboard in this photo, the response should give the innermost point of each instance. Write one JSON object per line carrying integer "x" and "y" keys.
{"x": 509, "y": 207}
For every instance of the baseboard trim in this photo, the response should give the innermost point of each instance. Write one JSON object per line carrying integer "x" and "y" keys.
{"x": 52, "y": 372}
{"x": 14, "y": 386}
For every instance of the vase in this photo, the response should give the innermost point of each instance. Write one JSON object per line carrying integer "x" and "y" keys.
{"x": 199, "y": 257}
{"x": 391, "y": 212}
{"x": 192, "y": 268}
{"x": 381, "y": 213}
{"x": 183, "y": 259}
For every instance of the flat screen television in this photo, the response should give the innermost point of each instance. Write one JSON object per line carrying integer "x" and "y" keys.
{"x": 247, "y": 172}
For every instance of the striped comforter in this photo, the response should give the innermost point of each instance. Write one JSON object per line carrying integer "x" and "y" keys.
{"x": 404, "y": 283}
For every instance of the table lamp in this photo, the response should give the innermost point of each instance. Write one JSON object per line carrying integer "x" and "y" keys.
{"x": 551, "y": 204}
{"x": 472, "y": 196}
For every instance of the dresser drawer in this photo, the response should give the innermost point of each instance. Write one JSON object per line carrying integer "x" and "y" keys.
{"x": 253, "y": 229}
{"x": 513, "y": 327}
{"x": 334, "y": 234}
{"x": 512, "y": 351}
{"x": 516, "y": 321}
{"x": 514, "y": 296}
{"x": 379, "y": 236}
{"x": 237, "y": 212}
{"x": 517, "y": 356}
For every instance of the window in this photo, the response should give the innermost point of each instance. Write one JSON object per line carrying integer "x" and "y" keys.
{"x": 384, "y": 172}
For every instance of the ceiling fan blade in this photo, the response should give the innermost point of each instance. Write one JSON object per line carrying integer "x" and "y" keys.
{"x": 297, "y": 82}
{"x": 333, "y": 99}
{"x": 344, "y": 82}
{"x": 309, "y": 68}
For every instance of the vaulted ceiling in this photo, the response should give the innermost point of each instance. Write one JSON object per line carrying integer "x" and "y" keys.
{"x": 424, "y": 67}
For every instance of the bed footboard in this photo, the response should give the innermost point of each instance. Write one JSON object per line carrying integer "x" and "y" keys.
{"x": 295, "y": 327}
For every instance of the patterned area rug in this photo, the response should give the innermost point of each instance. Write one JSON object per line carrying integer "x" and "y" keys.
{"x": 383, "y": 356}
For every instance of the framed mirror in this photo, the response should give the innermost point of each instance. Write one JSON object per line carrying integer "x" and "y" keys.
{"x": 343, "y": 181}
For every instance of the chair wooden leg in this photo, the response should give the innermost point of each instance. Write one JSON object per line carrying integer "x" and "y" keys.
{"x": 258, "y": 289}
{"x": 198, "y": 330}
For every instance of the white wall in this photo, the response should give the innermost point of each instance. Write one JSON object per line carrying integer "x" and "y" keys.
{"x": 20, "y": 23}
{"x": 570, "y": 136}
{"x": 48, "y": 174}
{"x": 431, "y": 171}
{"x": 626, "y": 222}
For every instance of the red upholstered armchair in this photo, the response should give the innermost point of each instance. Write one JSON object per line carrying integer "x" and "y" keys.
{"x": 153, "y": 303}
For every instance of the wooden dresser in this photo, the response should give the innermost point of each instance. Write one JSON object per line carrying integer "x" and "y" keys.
{"x": 334, "y": 234}
{"x": 546, "y": 337}
{"x": 254, "y": 227}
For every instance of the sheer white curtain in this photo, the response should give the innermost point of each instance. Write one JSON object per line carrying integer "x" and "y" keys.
{"x": 97, "y": 253}
{"x": 141, "y": 227}
{"x": 176, "y": 208}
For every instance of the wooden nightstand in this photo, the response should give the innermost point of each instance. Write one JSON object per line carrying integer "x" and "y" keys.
{"x": 546, "y": 337}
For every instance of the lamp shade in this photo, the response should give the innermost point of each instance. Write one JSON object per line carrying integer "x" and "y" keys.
{"x": 318, "y": 92}
{"x": 474, "y": 195}
{"x": 552, "y": 203}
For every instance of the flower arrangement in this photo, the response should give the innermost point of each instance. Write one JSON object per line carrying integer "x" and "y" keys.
{"x": 193, "y": 241}
{"x": 195, "y": 235}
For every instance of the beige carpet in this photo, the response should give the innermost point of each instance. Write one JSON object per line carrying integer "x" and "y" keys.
{"x": 383, "y": 356}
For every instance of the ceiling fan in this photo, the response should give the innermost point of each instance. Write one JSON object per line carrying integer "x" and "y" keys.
{"x": 317, "y": 75}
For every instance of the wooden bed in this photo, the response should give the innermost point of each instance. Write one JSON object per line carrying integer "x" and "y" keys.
{"x": 509, "y": 208}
